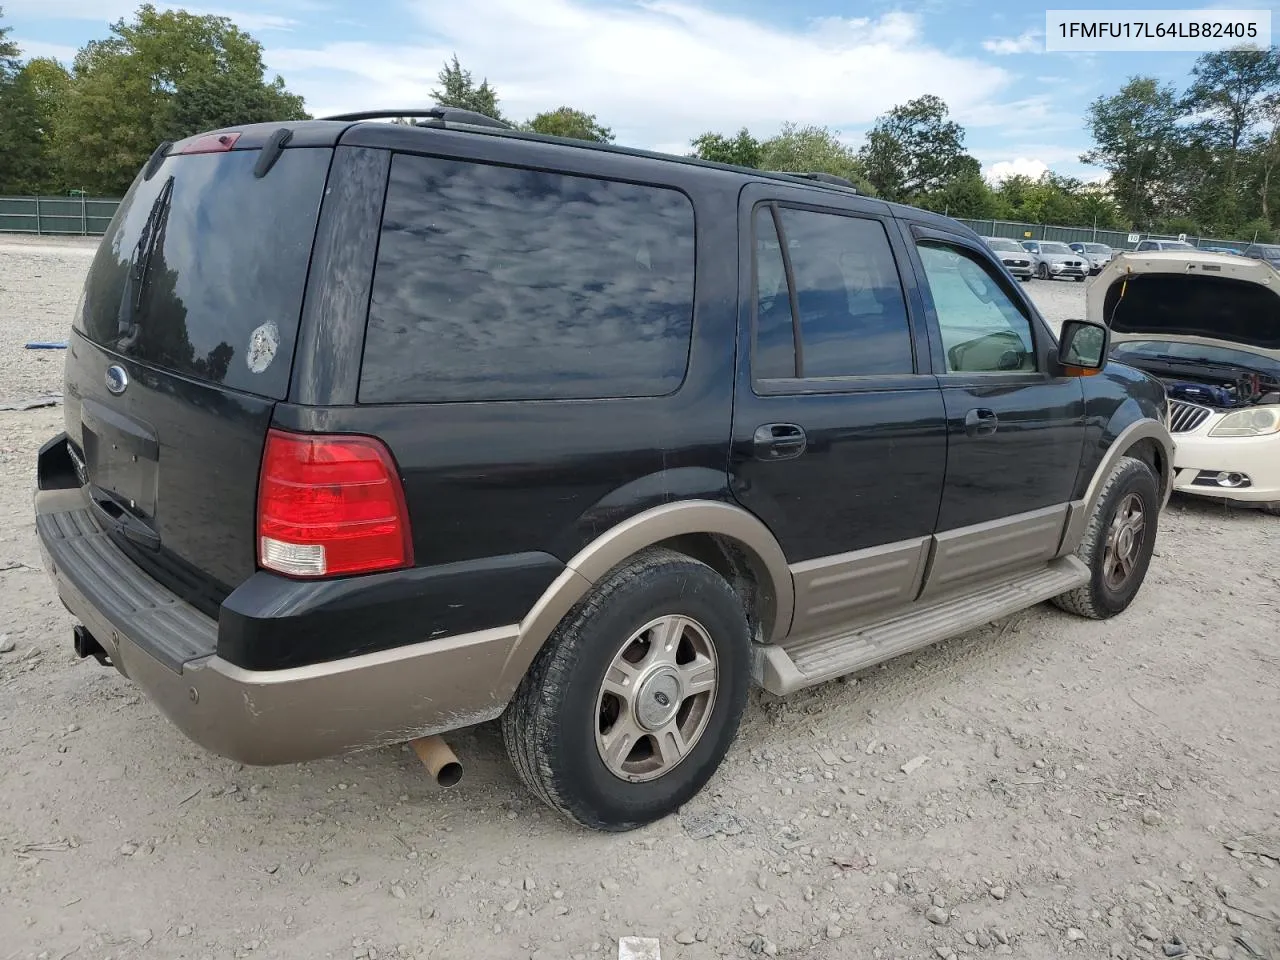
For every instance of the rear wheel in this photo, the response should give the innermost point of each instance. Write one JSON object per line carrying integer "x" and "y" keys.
{"x": 634, "y": 701}
{"x": 1118, "y": 542}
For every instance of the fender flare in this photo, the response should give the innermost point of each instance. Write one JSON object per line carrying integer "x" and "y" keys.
{"x": 1081, "y": 510}
{"x": 629, "y": 537}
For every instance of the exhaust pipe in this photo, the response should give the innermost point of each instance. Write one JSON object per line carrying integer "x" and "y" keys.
{"x": 438, "y": 759}
{"x": 87, "y": 646}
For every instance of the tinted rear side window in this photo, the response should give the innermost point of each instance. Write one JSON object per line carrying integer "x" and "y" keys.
{"x": 500, "y": 283}
{"x": 853, "y": 317}
{"x": 225, "y": 257}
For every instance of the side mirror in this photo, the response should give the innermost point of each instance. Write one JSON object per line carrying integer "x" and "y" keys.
{"x": 1083, "y": 347}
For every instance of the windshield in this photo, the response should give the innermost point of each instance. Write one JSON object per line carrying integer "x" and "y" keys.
{"x": 1175, "y": 245}
{"x": 1270, "y": 251}
{"x": 1059, "y": 248}
{"x": 1198, "y": 352}
{"x": 1097, "y": 248}
{"x": 1008, "y": 246}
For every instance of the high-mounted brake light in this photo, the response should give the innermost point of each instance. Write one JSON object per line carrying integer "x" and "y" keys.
{"x": 330, "y": 505}
{"x": 210, "y": 143}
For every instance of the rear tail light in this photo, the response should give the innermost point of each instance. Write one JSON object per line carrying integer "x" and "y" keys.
{"x": 330, "y": 505}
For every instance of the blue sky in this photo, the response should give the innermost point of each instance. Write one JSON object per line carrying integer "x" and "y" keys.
{"x": 661, "y": 71}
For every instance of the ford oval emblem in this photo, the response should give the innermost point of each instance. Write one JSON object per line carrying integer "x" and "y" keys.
{"x": 117, "y": 379}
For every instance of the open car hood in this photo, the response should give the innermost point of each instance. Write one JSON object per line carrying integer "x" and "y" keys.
{"x": 1189, "y": 295}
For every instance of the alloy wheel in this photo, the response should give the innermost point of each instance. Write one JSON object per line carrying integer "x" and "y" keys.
{"x": 656, "y": 698}
{"x": 1124, "y": 541}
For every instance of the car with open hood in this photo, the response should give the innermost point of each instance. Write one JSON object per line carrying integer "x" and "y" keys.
{"x": 1057, "y": 261}
{"x": 1208, "y": 326}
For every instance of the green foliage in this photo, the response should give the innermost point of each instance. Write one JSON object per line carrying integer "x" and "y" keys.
{"x": 458, "y": 89}
{"x": 1264, "y": 231}
{"x": 741, "y": 150}
{"x": 812, "y": 149}
{"x": 22, "y": 133}
{"x": 163, "y": 75}
{"x": 571, "y": 123}
{"x": 1136, "y": 135}
{"x": 916, "y": 150}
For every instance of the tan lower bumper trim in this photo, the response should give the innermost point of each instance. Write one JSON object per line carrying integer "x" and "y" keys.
{"x": 359, "y": 703}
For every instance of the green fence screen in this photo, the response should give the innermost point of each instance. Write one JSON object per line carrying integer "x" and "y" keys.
{"x": 57, "y": 216}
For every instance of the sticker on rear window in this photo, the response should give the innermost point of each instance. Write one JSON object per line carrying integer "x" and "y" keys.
{"x": 263, "y": 344}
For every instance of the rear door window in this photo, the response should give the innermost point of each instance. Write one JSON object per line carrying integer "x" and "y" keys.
{"x": 845, "y": 298}
{"x": 203, "y": 268}
{"x": 503, "y": 283}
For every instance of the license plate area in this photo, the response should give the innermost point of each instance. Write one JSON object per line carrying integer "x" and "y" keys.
{"x": 122, "y": 457}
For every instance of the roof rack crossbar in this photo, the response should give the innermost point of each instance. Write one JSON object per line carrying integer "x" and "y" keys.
{"x": 445, "y": 114}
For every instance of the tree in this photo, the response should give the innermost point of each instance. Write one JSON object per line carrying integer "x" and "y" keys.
{"x": 8, "y": 53}
{"x": 571, "y": 123}
{"x": 1229, "y": 94}
{"x": 163, "y": 75}
{"x": 20, "y": 134}
{"x": 740, "y": 150}
{"x": 968, "y": 196}
{"x": 812, "y": 149}
{"x": 458, "y": 89}
{"x": 1136, "y": 133}
{"x": 914, "y": 149}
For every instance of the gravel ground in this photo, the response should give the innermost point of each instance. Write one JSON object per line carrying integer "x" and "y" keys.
{"x": 1043, "y": 787}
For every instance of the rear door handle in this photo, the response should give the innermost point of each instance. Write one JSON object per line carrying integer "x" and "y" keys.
{"x": 779, "y": 441}
{"x": 981, "y": 422}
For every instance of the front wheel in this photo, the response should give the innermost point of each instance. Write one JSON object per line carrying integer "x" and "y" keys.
{"x": 633, "y": 702}
{"x": 1118, "y": 542}
{"x": 1272, "y": 508}
{"x": 1043, "y": 271}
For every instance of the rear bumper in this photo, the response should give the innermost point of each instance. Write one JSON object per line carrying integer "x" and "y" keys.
{"x": 300, "y": 713}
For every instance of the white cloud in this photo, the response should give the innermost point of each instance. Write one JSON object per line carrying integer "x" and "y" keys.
{"x": 1022, "y": 166}
{"x": 1030, "y": 42}
{"x": 657, "y": 71}
{"x": 30, "y": 49}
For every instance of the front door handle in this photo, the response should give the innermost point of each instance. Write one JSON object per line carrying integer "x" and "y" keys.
{"x": 981, "y": 422}
{"x": 779, "y": 441}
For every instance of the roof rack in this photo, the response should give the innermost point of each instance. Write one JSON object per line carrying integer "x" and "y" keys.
{"x": 439, "y": 114}
{"x": 830, "y": 178}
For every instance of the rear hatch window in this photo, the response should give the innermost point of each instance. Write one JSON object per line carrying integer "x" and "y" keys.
{"x": 203, "y": 268}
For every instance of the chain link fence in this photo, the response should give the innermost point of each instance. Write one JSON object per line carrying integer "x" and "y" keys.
{"x": 1116, "y": 239}
{"x": 89, "y": 216}
{"x": 57, "y": 216}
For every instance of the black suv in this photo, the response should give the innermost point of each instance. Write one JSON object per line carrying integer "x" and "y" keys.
{"x": 375, "y": 431}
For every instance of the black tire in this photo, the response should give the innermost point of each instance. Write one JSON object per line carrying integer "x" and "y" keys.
{"x": 1099, "y": 600}
{"x": 1079, "y": 279}
{"x": 550, "y": 726}
{"x": 1043, "y": 271}
{"x": 1272, "y": 508}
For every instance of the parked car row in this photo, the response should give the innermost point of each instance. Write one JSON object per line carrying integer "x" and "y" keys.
{"x": 1049, "y": 260}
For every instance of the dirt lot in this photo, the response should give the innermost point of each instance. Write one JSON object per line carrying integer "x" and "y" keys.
{"x": 1089, "y": 790}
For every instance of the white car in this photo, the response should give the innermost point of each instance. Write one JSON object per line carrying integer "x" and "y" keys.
{"x": 1208, "y": 325}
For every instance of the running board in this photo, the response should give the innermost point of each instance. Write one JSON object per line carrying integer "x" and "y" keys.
{"x": 785, "y": 670}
